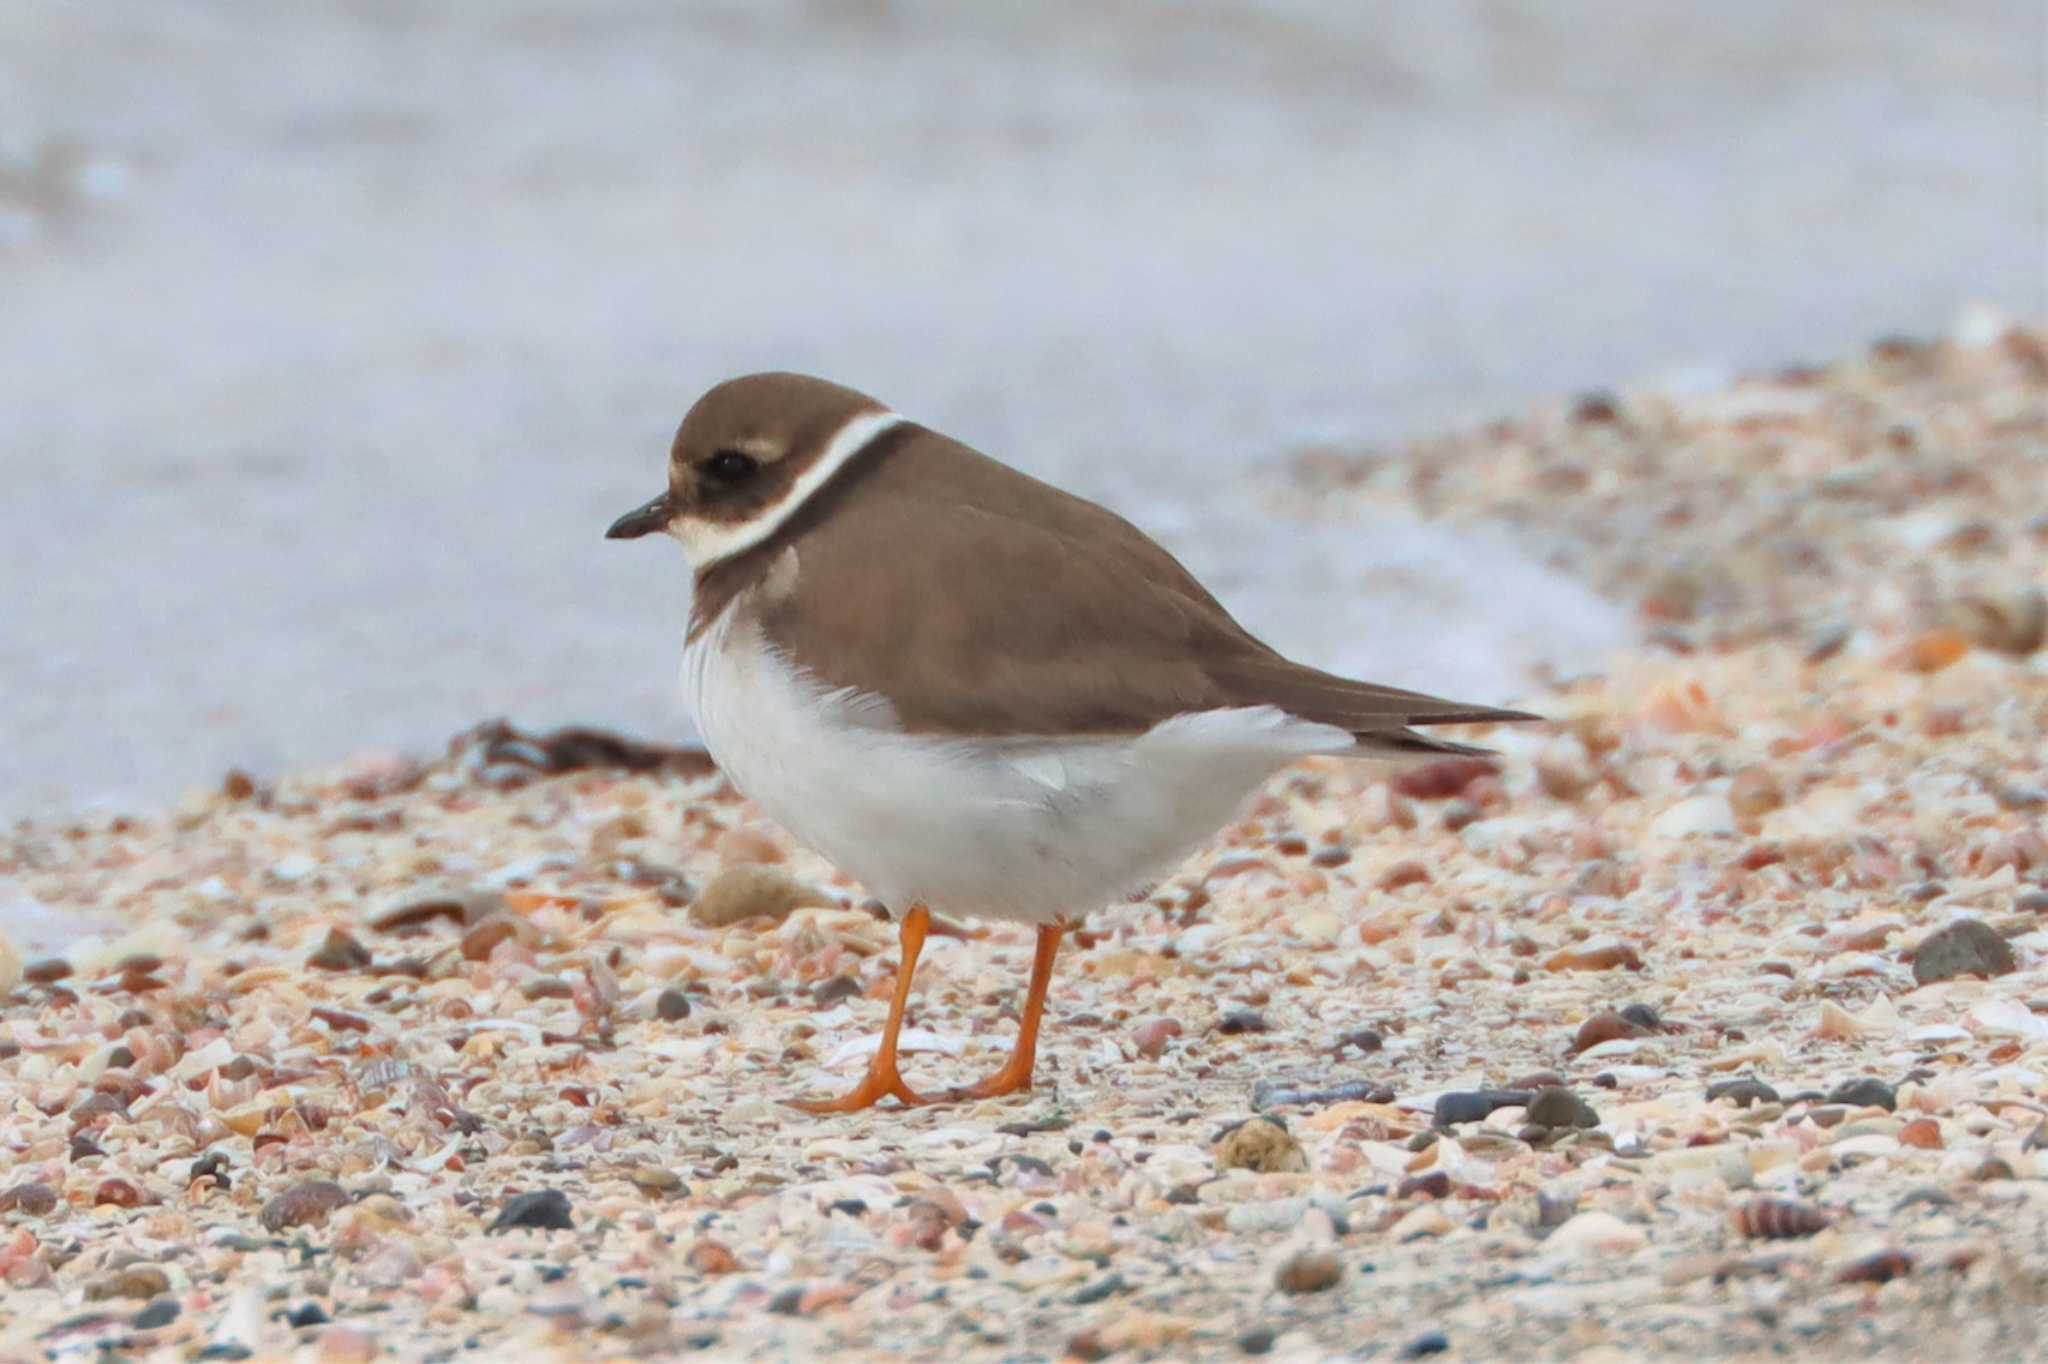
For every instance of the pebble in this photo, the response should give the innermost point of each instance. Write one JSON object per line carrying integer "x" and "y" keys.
{"x": 1559, "y": 1107}
{"x": 135, "y": 1281}
{"x": 543, "y": 1208}
{"x": 1967, "y": 947}
{"x": 671, "y": 1005}
{"x": 339, "y": 952}
{"x": 1753, "y": 793}
{"x": 1865, "y": 1093}
{"x": 1778, "y": 1219}
{"x": 479, "y": 942}
{"x": 1308, "y": 1271}
{"x": 1263, "y": 1145}
{"x": 1463, "y": 1106}
{"x": 754, "y": 891}
{"x": 162, "y": 1312}
{"x": 1237, "y": 1021}
{"x": 34, "y": 1198}
{"x": 1427, "y": 1344}
{"x": 1257, "y": 1341}
{"x": 1607, "y": 1026}
{"x": 304, "y": 1204}
{"x": 1743, "y": 1092}
{"x": 1151, "y": 1037}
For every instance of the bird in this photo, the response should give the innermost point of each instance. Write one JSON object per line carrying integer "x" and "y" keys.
{"x": 968, "y": 689}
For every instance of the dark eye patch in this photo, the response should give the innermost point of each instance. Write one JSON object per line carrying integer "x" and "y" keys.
{"x": 731, "y": 468}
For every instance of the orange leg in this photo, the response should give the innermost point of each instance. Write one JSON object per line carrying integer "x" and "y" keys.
{"x": 1015, "y": 1076}
{"x": 883, "y": 1079}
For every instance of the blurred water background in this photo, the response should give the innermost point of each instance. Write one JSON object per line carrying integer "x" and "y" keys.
{"x": 333, "y": 332}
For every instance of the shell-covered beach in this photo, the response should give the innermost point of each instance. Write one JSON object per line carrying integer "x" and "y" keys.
{"x": 1711, "y": 1022}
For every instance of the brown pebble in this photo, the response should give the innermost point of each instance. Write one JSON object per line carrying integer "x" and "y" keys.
{"x": 1601, "y": 1027}
{"x": 1407, "y": 872}
{"x": 1435, "y": 1184}
{"x": 46, "y": 971}
{"x": 237, "y": 784}
{"x": 1562, "y": 772}
{"x": 1263, "y": 1145}
{"x": 752, "y": 891}
{"x": 1932, "y": 651}
{"x": 1778, "y": 1219}
{"x": 339, "y": 952}
{"x": 479, "y": 942}
{"x": 1754, "y": 793}
{"x": 143, "y": 1281}
{"x": 1442, "y": 779}
{"x": 1151, "y": 1036}
{"x": 458, "y": 906}
{"x": 121, "y": 1193}
{"x": 711, "y": 1257}
{"x": 1308, "y": 1271}
{"x": 2012, "y": 622}
{"x": 1603, "y": 958}
{"x": 1924, "y": 1133}
{"x": 1882, "y": 1267}
{"x": 304, "y": 1204}
{"x": 655, "y": 1179}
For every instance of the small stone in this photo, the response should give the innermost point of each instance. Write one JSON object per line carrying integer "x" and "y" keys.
{"x": 479, "y": 942}
{"x": 840, "y": 987}
{"x": 306, "y": 1314}
{"x": 1404, "y": 873}
{"x": 1882, "y": 1267}
{"x": 1559, "y": 1107}
{"x": 1263, "y": 1145}
{"x": 1754, "y": 792}
{"x": 1643, "y": 1016}
{"x": 1924, "y": 1133}
{"x": 1743, "y": 1092}
{"x": 33, "y": 1199}
{"x": 2012, "y": 622}
{"x": 2031, "y": 902}
{"x": 1100, "y": 1291}
{"x": 1237, "y": 1021}
{"x": 1257, "y": 1341}
{"x": 1425, "y": 1345}
{"x": 1607, "y": 1026}
{"x": 135, "y": 1281}
{"x": 753, "y": 891}
{"x": 48, "y": 971}
{"x": 1462, "y": 1106}
{"x": 1308, "y": 1271}
{"x": 467, "y": 907}
{"x": 339, "y": 952}
{"x": 547, "y": 1209}
{"x": 1967, "y": 947}
{"x": 1864, "y": 1093}
{"x": 709, "y": 1257}
{"x": 1599, "y": 957}
{"x": 304, "y": 1204}
{"x": 671, "y": 1005}
{"x": 1151, "y": 1036}
{"x": 655, "y": 1179}
{"x": 162, "y": 1312}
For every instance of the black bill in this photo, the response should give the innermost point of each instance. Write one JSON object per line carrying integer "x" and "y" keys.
{"x": 648, "y": 519}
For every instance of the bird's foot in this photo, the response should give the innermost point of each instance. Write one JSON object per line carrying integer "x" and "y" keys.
{"x": 883, "y": 1081}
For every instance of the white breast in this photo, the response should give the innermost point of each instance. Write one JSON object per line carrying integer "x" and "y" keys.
{"x": 1024, "y": 829}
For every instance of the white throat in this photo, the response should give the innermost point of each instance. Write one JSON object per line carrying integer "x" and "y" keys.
{"x": 706, "y": 543}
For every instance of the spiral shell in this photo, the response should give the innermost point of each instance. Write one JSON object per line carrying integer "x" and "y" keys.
{"x": 1777, "y": 1219}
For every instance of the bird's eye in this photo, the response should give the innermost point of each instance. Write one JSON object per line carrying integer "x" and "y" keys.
{"x": 731, "y": 468}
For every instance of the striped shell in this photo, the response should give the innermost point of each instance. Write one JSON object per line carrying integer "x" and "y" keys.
{"x": 1777, "y": 1219}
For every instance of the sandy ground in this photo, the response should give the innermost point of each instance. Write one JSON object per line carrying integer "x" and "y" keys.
{"x": 332, "y": 334}
{"x": 482, "y": 1055}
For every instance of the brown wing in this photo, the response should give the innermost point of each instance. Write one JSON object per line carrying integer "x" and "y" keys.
{"x": 983, "y": 602}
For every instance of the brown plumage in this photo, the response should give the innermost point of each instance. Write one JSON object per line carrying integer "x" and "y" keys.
{"x": 1007, "y": 607}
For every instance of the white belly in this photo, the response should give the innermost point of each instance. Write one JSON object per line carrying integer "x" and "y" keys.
{"x": 1023, "y": 829}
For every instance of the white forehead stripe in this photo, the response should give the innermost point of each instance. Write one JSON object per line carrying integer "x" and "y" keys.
{"x": 706, "y": 543}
